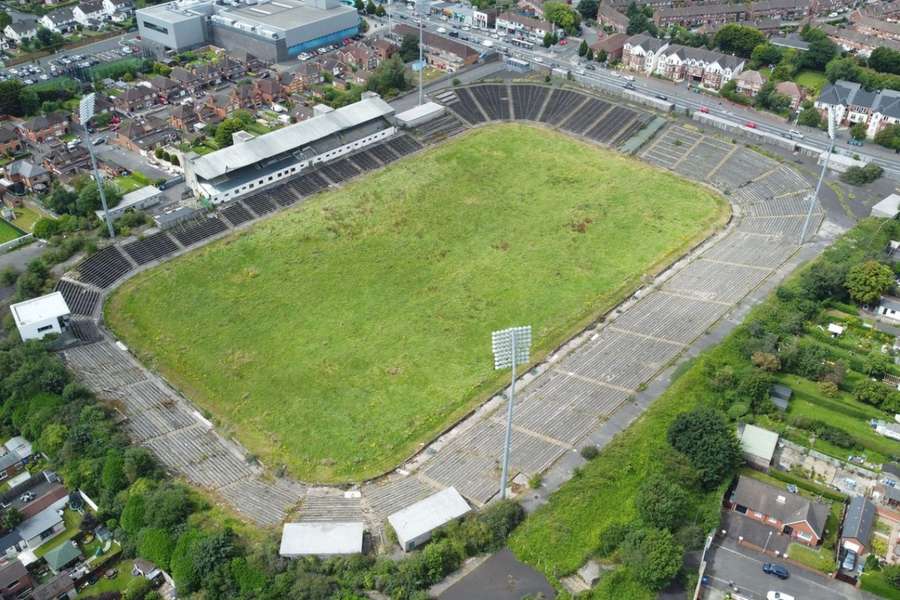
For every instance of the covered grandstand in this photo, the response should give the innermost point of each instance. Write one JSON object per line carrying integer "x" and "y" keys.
{"x": 247, "y": 167}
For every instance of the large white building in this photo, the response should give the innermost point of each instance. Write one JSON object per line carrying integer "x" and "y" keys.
{"x": 247, "y": 167}
{"x": 41, "y": 316}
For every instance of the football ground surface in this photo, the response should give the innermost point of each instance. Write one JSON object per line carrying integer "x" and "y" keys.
{"x": 339, "y": 337}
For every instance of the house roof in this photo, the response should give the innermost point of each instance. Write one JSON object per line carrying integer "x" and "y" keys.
{"x": 859, "y": 519}
{"x": 782, "y": 391}
{"x": 759, "y": 442}
{"x": 183, "y": 75}
{"x": 25, "y": 168}
{"x": 24, "y": 26}
{"x": 887, "y": 208}
{"x": 526, "y": 21}
{"x": 7, "y": 134}
{"x": 9, "y": 540}
{"x": 54, "y": 588}
{"x": 161, "y": 82}
{"x": 37, "y": 310}
{"x": 790, "y": 41}
{"x": 62, "y": 555}
{"x": 751, "y": 77}
{"x": 41, "y": 122}
{"x": 427, "y": 515}
{"x": 840, "y": 92}
{"x": 61, "y": 16}
{"x": 321, "y": 539}
{"x": 441, "y": 43}
{"x": 612, "y": 43}
{"x": 91, "y": 6}
{"x": 42, "y": 521}
{"x": 788, "y": 88}
{"x": 11, "y": 572}
{"x": 780, "y": 504}
{"x": 646, "y": 42}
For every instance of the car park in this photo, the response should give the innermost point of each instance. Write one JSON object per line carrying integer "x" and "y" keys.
{"x": 775, "y": 569}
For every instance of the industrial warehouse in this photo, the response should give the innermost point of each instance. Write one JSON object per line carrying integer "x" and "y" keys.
{"x": 272, "y": 31}
{"x": 249, "y": 166}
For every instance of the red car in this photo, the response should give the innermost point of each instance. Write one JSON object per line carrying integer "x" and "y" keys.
{"x": 704, "y": 109}
{"x": 563, "y": 42}
{"x": 750, "y": 125}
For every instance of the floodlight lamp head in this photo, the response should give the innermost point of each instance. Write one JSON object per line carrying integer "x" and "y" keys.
{"x": 86, "y": 108}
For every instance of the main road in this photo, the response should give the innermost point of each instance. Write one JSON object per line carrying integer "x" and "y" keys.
{"x": 565, "y": 58}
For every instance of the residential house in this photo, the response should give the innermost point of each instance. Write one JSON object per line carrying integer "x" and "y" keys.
{"x": 749, "y": 83}
{"x": 15, "y": 580}
{"x": 698, "y": 65}
{"x": 856, "y": 42}
{"x": 889, "y": 308}
{"x": 248, "y": 61}
{"x": 267, "y": 91}
{"x": 166, "y": 89}
{"x": 183, "y": 117}
{"x": 58, "y": 587}
{"x": 207, "y": 74}
{"x": 440, "y": 52}
{"x": 612, "y": 45}
{"x": 43, "y": 526}
{"x": 29, "y": 173}
{"x": 145, "y": 135}
{"x": 874, "y": 27}
{"x": 792, "y": 91}
{"x": 229, "y": 68}
{"x": 11, "y": 464}
{"x": 64, "y": 162}
{"x": 851, "y": 104}
{"x": 10, "y": 545}
{"x": 187, "y": 79}
{"x": 42, "y": 127}
{"x": 294, "y": 82}
{"x": 484, "y": 18}
{"x": 146, "y": 569}
{"x": 9, "y": 140}
{"x": 523, "y": 26}
{"x": 136, "y": 98}
{"x": 717, "y": 13}
{"x": 384, "y": 49}
{"x": 118, "y": 10}
{"x": 60, "y": 20}
{"x": 641, "y": 53}
{"x": 332, "y": 65}
{"x": 359, "y": 56}
{"x": 758, "y": 446}
{"x": 90, "y": 14}
{"x": 790, "y": 514}
{"x": 20, "y": 31}
{"x": 611, "y": 19}
{"x": 856, "y": 531}
{"x": 62, "y": 556}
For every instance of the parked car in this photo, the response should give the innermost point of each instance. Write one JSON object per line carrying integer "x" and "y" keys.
{"x": 849, "y": 561}
{"x": 629, "y": 86}
{"x": 854, "y": 142}
{"x": 100, "y": 141}
{"x": 662, "y": 96}
{"x": 750, "y": 125}
{"x": 777, "y": 570}
{"x": 772, "y": 595}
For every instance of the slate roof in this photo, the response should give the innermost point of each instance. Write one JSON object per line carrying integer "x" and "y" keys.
{"x": 646, "y": 42}
{"x": 61, "y": 16}
{"x": 859, "y": 520}
{"x": 840, "y": 92}
{"x": 11, "y": 573}
{"x": 780, "y": 504}
{"x": 54, "y": 588}
{"x": 62, "y": 555}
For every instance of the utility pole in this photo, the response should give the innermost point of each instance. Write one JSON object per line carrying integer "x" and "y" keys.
{"x": 511, "y": 347}
{"x": 815, "y": 196}
{"x": 85, "y": 112}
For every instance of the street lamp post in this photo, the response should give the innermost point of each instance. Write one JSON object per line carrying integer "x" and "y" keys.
{"x": 421, "y": 56}
{"x": 815, "y": 196}
{"x": 511, "y": 347}
{"x": 85, "y": 112}
{"x": 767, "y": 542}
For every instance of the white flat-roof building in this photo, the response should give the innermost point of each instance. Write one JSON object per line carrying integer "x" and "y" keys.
{"x": 268, "y": 160}
{"x": 41, "y": 316}
{"x": 418, "y": 115}
{"x": 414, "y": 524}
{"x": 321, "y": 539}
{"x": 887, "y": 208}
{"x": 139, "y": 199}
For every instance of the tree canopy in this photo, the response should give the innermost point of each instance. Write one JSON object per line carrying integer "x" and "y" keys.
{"x": 653, "y": 556}
{"x": 738, "y": 39}
{"x": 708, "y": 441}
{"x": 867, "y": 281}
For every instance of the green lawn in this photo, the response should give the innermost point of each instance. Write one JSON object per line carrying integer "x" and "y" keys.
{"x": 8, "y": 231}
{"x": 874, "y": 582}
{"x": 26, "y": 218}
{"x": 338, "y": 337}
{"x": 72, "y": 521}
{"x": 817, "y": 559}
{"x": 811, "y": 80}
{"x": 117, "y": 584}
{"x": 131, "y": 182}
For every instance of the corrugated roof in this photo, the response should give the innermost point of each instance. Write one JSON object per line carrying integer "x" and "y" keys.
{"x": 289, "y": 138}
{"x": 427, "y": 515}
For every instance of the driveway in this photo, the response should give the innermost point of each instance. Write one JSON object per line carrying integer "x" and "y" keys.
{"x": 730, "y": 563}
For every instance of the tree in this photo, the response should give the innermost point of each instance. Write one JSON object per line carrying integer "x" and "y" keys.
{"x": 876, "y": 365}
{"x": 889, "y": 137}
{"x": 563, "y": 16}
{"x": 858, "y": 131}
{"x": 549, "y": 39}
{"x": 765, "y": 54}
{"x": 892, "y": 575}
{"x": 156, "y": 545}
{"x": 639, "y": 22}
{"x": 821, "y": 49}
{"x": 590, "y": 54}
{"x": 885, "y": 60}
{"x": 62, "y": 201}
{"x": 766, "y": 361}
{"x": 5, "y": 19}
{"x": 583, "y": 48}
{"x": 379, "y": 11}
{"x": 389, "y": 78}
{"x": 113, "y": 477}
{"x": 225, "y": 130}
{"x": 661, "y": 503}
{"x": 11, "y": 517}
{"x": 843, "y": 68}
{"x": 810, "y": 117}
{"x": 10, "y": 90}
{"x": 370, "y": 8}
{"x": 359, "y": 5}
{"x": 871, "y": 392}
{"x": 89, "y": 199}
{"x": 45, "y": 228}
{"x": 867, "y": 281}
{"x": 652, "y": 556}
{"x": 738, "y": 39}
{"x": 704, "y": 436}
{"x": 588, "y": 9}
{"x": 409, "y": 48}
{"x": 862, "y": 175}
{"x": 602, "y": 56}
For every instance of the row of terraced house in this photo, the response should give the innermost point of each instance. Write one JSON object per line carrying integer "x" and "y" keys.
{"x": 650, "y": 56}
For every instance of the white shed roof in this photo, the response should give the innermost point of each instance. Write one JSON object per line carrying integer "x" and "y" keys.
{"x": 39, "y": 309}
{"x": 289, "y": 138}
{"x": 759, "y": 442}
{"x": 422, "y": 111}
{"x": 887, "y": 208}
{"x": 321, "y": 539}
{"x": 427, "y": 515}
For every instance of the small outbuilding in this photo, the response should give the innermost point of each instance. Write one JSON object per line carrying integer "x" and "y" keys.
{"x": 139, "y": 199}
{"x": 780, "y": 395}
{"x": 887, "y": 208}
{"x": 41, "y": 316}
{"x": 857, "y": 528}
{"x": 414, "y": 524}
{"x": 62, "y": 556}
{"x": 419, "y": 115}
{"x": 321, "y": 539}
{"x": 758, "y": 446}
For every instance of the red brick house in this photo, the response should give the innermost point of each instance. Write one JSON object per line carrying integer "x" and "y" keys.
{"x": 792, "y": 91}
{"x": 359, "y": 57}
{"x": 64, "y": 163}
{"x": 9, "y": 140}
{"x": 15, "y": 580}
{"x": 183, "y": 117}
{"x": 42, "y": 127}
{"x": 166, "y": 89}
{"x": 612, "y": 45}
{"x": 749, "y": 83}
{"x": 791, "y": 514}
{"x": 384, "y": 49}
{"x": 187, "y": 79}
{"x": 135, "y": 98}
{"x": 32, "y": 175}
{"x": 304, "y": 77}
{"x": 145, "y": 135}
{"x": 268, "y": 90}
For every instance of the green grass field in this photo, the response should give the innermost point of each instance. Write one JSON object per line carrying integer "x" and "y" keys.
{"x": 811, "y": 80}
{"x": 340, "y": 336}
{"x": 8, "y": 231}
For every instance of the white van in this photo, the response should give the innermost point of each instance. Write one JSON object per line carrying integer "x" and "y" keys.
{"x": 628, "y": 77}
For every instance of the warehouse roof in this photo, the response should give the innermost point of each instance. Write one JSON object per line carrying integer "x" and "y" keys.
{"x": 289, "y": 138}
{"x": 39, "y": 309}
{"x": 427, "y": 515}
{"x": 282, "y": 14}
{"x": 321, "y": 539}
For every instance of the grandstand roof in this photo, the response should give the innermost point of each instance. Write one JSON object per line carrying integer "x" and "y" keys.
{"x": 295, "y": 136}
{"x": 321, "y": 539}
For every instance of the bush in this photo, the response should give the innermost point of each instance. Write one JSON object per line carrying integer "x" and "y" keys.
{"x": 862, "y": 175}
{"x": 612, "y": 537}
{"x": 590, "y": 452}
{"x": 535, "y": 481}
{"x": 737, "y": 410}
{"x": 828, "y": 389}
